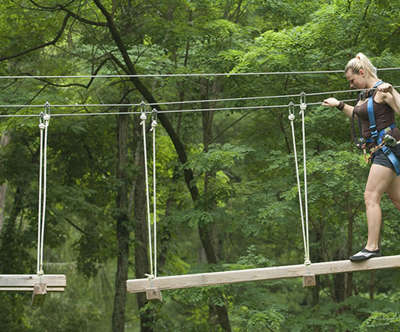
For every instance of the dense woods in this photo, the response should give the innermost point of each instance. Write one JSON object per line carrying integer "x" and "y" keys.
{"x": 226, "y": 182}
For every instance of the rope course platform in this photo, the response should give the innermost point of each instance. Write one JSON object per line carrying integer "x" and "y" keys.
{"x": 33, "y": 282}
{"x": 39, "y": 285}
{"x": 158, "y": 284}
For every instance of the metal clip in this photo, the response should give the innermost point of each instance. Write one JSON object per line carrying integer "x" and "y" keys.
{"x": 303, "y": 104}
{"x": 389, "y": 141}
{"x": 291, "y": 111}
{"x": 143, "y": 116}
{"x": 154, "y": 119}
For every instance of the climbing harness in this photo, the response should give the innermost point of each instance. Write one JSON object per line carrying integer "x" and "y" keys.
{"x": 382, "y": 140}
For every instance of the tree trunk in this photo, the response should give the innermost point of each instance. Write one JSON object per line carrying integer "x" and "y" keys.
{"x": 10, "y": 249}
{"x": 5, "y": 139}
{"x": 3, "y": 193}
{"x": 350, "y": 222}
{"x": 14, "y": 259}
{"x": 339, "y": 289}
{"x": 372, "y": 285}
{"x": 118, "y": 317}
{"x": 129, "y": 67}
{"x": 317, "y": 257}
{"x": 206, "y": 230}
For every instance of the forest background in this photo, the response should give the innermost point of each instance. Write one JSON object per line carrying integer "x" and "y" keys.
{"x": 226, "y": 185}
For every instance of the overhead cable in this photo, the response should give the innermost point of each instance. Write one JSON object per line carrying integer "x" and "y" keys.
{"x": 185, "y": 101}
{"x": 309, "y": 72}
{"x": 162, "y": 112}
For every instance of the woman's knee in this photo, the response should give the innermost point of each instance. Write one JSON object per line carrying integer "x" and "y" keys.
{"x": 372, "y": 198}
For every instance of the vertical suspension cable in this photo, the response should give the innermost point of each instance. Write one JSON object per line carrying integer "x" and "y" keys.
{"x": 303, "y": 107}
{"x": 291, "y": 118}
{"x": 43, "y": 125}
{"x": 153, "y": 129}
{"x": 46, "y": 122}
{"x": 143, "y": 118}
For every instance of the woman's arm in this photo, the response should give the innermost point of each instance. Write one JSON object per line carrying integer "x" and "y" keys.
{"x": 390, "y": 96}
{"x": 333, "y": 102}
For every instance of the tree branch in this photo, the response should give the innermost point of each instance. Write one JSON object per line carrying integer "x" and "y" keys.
{"x": 28, "y": 103}
{"x": 179, "y": 148}
{"x": 58, "y": 36}
{"x": 69, "y": 222}
{"x": 362, "y": 20}
{"x": 86, "y": 86}
{"x": 84, "y": 20}
{"x": 47, "y": 8}
{"x": 213, "y": 139}
{"x": 64, "y": 8}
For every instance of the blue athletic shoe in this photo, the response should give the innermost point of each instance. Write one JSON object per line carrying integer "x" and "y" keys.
{"x": 365, "y": 254}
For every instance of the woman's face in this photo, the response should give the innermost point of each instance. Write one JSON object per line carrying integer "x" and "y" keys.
{"x": 357, "y": 81}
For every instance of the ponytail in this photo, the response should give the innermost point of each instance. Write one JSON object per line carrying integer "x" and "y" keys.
{"x": 360, "y": 61}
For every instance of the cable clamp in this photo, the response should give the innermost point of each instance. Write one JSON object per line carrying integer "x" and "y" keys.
{"x": 154, "y": 119}
{"x": 46, "y": 115}
{"x": 303, "y": 104}
{"x": 41, "y": 123}
{"x": 291, "y": 111}
{"x": 143, "y": 115}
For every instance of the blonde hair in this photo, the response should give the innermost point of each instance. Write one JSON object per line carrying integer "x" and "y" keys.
{"x": 360, "y": 61}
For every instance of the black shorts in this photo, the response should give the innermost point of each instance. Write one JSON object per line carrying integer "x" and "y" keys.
{"x": 379, "y": 158}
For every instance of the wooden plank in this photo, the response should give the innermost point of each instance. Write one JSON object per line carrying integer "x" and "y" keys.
{"x": 268, "y": 273}
{"x": 21, "y": 281}
{"x": 31, "y": 289}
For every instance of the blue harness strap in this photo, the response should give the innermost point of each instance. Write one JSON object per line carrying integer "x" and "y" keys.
{"x": 377, "y": 136}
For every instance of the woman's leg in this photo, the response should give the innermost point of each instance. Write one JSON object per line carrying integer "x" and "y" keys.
{"x": 380, "y": 180}
{"x": 394, "y": 192}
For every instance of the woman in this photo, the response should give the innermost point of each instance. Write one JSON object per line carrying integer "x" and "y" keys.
{"x": 385, "y": 100}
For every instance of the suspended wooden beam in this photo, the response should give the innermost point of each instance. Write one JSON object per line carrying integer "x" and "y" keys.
{"x": 33, "y": 283}
{"x": 268, "y": 273}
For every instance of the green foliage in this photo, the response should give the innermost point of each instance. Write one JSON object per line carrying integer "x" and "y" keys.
{"x": 218, "y": 157}
{"x": 265, "y": 321}
{"x": 381, "y": 321}
{"x": 244, "y": 173}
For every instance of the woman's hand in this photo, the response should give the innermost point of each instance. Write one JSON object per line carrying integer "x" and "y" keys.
{"x": 330, "y": 102}
{"x": 333, "y": 102}
{"x": 385, "y": 87}
{"x": 390, "y": 96}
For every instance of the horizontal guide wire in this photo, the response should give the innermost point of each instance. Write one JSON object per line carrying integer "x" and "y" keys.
{"x": 310, "y": 72}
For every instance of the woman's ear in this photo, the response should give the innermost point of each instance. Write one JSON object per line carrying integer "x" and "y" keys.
{"x": 361, "y": 72}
